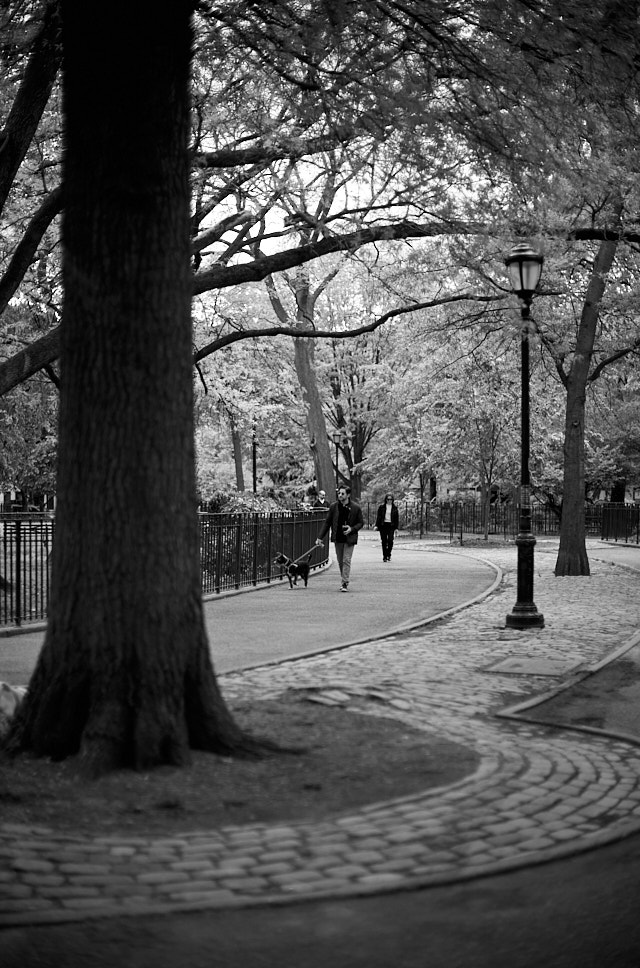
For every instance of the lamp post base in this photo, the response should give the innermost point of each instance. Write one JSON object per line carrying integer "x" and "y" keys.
{"x": 525, "y": 615}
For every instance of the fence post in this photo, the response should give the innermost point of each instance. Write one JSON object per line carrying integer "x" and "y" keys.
{"x": 238, "y": 550}
{"x": 18, "y": 597}
{"x": 220, "y": 530}
{"x": 256, "y": 530}
{"x": 270, "y": 548}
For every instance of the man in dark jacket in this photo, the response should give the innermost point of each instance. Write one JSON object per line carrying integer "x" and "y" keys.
{"x": 387, "y": 522}
{"x": 321, "y": 503}
{"x": 344, "y": 520}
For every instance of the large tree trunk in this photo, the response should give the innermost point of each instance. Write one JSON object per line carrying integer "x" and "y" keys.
{"x": 124, "y": 677}
{"x": 572, "y": 553}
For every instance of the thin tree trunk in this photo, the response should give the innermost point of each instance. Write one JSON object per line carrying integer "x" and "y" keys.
{"x": 572, "y": 553}
{"x": 124, "y": 677}
{"x": 316, "y": 426}
{"x": 304, "y": 353}
{"x": 236, "y": 442}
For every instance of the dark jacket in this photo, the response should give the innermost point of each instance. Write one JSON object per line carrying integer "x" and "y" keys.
{"x": 395, "y": 517}
{"x": 354, "y": 520}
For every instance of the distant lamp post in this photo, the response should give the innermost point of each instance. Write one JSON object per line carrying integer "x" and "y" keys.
{"x": 524, "y": 266}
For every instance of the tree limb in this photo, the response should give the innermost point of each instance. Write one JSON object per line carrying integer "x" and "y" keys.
{"x": 287, "y": 148}
{"x": 26, "y": 248}
{"x": 229, "y": 338}
{"x": 620, "y": 354}
{"x": 31, "y": 99}
{"x": 28, "y": 361}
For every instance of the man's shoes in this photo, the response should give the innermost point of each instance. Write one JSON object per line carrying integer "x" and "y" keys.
{"x": 344, "y": 587}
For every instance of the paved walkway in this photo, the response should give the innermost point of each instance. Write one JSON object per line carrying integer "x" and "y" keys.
{"x": 539, "y": 792}
{"x": 271, "y": 622}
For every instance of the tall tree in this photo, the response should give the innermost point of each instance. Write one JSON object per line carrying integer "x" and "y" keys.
{"x": 124, "y": 677}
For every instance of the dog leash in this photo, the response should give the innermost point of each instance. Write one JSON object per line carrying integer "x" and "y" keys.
{"x": 296, "y": 560}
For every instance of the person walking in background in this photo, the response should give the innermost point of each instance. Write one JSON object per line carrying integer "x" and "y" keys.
{"x": 387, "y": 523}
{"x": 344, "y": 519}
{"x": 321, "y": 503}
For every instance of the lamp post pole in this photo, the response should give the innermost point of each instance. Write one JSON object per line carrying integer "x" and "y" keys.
{"x": 525, "y": 268}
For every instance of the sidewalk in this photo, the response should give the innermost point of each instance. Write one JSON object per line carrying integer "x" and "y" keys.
{"x": 540, "y": 793}
{"x": 271, "y": 622}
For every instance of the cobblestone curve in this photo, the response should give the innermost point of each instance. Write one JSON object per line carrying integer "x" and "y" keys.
{"x": 538, "y": 793}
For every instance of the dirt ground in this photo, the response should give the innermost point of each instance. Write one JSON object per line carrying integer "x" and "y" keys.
{"x": 348, "y": 759}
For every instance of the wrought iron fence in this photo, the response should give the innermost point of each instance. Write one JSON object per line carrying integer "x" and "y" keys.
{"x": 25, "y": 549}
{"x": 236, "y": 550}
{"x": 454, "y": 518}
{"x": 621, "y": 522}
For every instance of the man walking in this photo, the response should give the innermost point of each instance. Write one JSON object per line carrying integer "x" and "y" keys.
{"x": 344, "y": 519}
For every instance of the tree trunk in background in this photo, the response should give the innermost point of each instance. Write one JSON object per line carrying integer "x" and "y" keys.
{"x": 125, "y": 677}
{"x": 572, "y": 553}
{"x": 236, "y": 442}
{"x": 317, "y": 428}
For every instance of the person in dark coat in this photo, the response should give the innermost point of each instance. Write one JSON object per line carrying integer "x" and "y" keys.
{"x": 321, "y": 503}
{"x": 387, "y": 522}
{"x": 344, "y": 520}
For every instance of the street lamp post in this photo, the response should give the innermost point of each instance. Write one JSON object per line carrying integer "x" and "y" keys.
{"x": 524, "y": 266}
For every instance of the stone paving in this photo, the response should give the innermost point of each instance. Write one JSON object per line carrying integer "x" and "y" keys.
{"x": 539, "y": 792}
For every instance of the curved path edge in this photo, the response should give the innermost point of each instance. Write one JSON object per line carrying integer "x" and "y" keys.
{"x": 409, "y": 626}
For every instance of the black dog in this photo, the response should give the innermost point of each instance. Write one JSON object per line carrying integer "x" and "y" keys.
{"x": 294, "y": 569}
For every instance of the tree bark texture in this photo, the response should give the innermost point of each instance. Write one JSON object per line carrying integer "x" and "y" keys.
{"x": 572, "y": 553}
{"x": 124, "y": 677}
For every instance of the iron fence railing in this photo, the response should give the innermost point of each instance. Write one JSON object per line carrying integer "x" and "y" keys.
{"x": 25, "y": 549}
{"x": 236, "y": 550}
{"x": 453, "y": 518}
{"x": 621, "y": 522}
